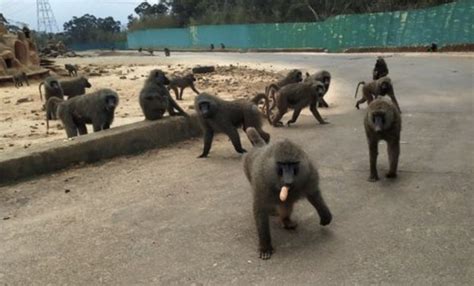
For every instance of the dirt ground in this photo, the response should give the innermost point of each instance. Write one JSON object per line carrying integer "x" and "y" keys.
{"x": 23, "y": 124}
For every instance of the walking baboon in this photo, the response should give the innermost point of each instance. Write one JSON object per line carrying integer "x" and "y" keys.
{"x": 380, "y": 69}
{"x": 96, "y": 108}
{"x": 217, "y": 115}
{"x": 383, "y": 122}
{"x": 155, "y": 98}
{"x": 71, "y": 69}
{"x": 280, "y": 174}
{"x": 52, "y": 110}
{"x": 293, "y": 76}
{"x": 370, "y": 91}
{"x": 167, "y": 52}
{"x": 52, "y": 88}
{"x": 75, "y": 87}
{"x": 181, "y": 83}
{"x": 325, "y": 78}
{"x": 298, "y": 96}
{"x": 19, "y": 78}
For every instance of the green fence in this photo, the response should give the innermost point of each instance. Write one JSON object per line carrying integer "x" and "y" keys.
{"x": 445, "y": 24}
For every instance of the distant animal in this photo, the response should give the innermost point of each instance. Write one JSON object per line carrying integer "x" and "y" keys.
{"x": 383, "y": 122}
{"x": 211, "y": 46}
{"x": 167, "y": 52}
{"x": 218, "y": 115}
{"x": 71, "y": 69}
{"x": 280, "y": 174}
{"x": 181, "y": 83}
{"x": 96, "y": 108}
{"x": 19, "y": 78}
{"x": 370, "y": 91}
{"x": 433, "y": 48}
{"x": 380, "y": 69}
{"x": 222, "y": 46}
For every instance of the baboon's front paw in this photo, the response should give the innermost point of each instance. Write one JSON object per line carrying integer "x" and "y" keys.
{"x": 266, "y": 253}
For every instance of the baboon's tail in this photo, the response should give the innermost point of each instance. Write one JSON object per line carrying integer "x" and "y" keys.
{"x": 254, "y": 137}
{"x": 256, "y": 99}
{"x": 357, "y": 89}
{"x": 39, "y": 87}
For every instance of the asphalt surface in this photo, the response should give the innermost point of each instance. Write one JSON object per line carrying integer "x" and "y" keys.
{"x": 167, "y": 218}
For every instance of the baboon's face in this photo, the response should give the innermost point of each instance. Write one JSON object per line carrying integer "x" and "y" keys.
{"x": 55, "y": 84}
{"x": 287, "y": 173}
{"x": 111, "y": 102}
{"x": 297, "y": 76}
{"x": 87, "y": 84}
{"x": 205, "y": 109}
{"x": 161, "y": 77}
{"x": 378, "y": 120}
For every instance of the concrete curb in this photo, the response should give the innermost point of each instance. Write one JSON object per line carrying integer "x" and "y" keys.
{"x": 123, "y": 140}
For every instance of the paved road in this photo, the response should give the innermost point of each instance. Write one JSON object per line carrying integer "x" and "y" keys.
{"x": 165, "y": 217}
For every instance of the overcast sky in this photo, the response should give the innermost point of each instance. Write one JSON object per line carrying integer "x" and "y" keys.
{"x": 25, "y": 10}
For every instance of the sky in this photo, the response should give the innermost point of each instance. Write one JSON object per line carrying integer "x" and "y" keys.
{"x": 25, "y": 10}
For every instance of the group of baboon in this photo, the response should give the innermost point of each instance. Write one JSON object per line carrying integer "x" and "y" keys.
{"x": 280, "y": 172}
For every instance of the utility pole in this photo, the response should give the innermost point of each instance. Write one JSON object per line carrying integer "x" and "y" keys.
{"x": 45, "y": 17}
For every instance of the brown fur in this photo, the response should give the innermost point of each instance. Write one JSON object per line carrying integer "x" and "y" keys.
{"x": 325, "y": 78}
{"x": 271, "y": 167}
{"x": 298, "y": 96}
{"x": 388, "y": 128}
{"x": 293, "y": 76}
{"x": 370, "y": 91}
{"x": 217, "y": 115}
{"x": 181, "y": 83}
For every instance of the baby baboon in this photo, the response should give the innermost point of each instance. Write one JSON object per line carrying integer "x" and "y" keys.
{"x": 96, "y": 108}
{"x": 325, "y": 78}
{"x": 181, "y": 83}
{"x": 71, "y": 69}
{"x": 383, "y": 122}
{"x": 75, "y": 87}
{"x": 52, "y": 88}
{"x": 297, "y": 96}
{"x": 217, "y": 115}
{"x": 19, "y": 78}
{"x": 294, "y": 76}
{"x": 280, "y": 174}
{"x": 382, "y": 86}
{"x": 155, "y": 98}
{"x": 380, "y": 69}
{"x": 167, "y": 52}
{"x": 52, "y": 110}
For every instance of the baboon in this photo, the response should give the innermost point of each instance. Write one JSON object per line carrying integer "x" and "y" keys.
{"x": 19, "y": 78}
{"x": 217, "y": 115}
{"x": 75, "y": 87}
{"x": 181, "y": 83}
{"x": 222, "y": 46}
{"x": 167, "y": 52}
{"x": 382, "y": 86}
{"x": 96, "y": 108}
{"x": 280, "y": 174}
{"x": 71, "y": 69}
{"x": 140, "y": 49}
{"x": 380, "y": 69}
{"x": 383, "y": 122}
{"x": 433, "y": 48}
{"x": 150, "y": 51}
{"x": 155, "y": 98}
{"x": 297, "y": 96}
{"x": 26, "y": 31}
{"x": 325, "y": 78}
{"x": 294, "y": 76}
{"x": 52, "y": 88}
{"x": 211, "y": 46}
{"x": 52, "y": 110}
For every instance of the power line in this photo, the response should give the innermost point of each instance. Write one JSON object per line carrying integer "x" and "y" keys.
{"x": 46, "y": 21}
